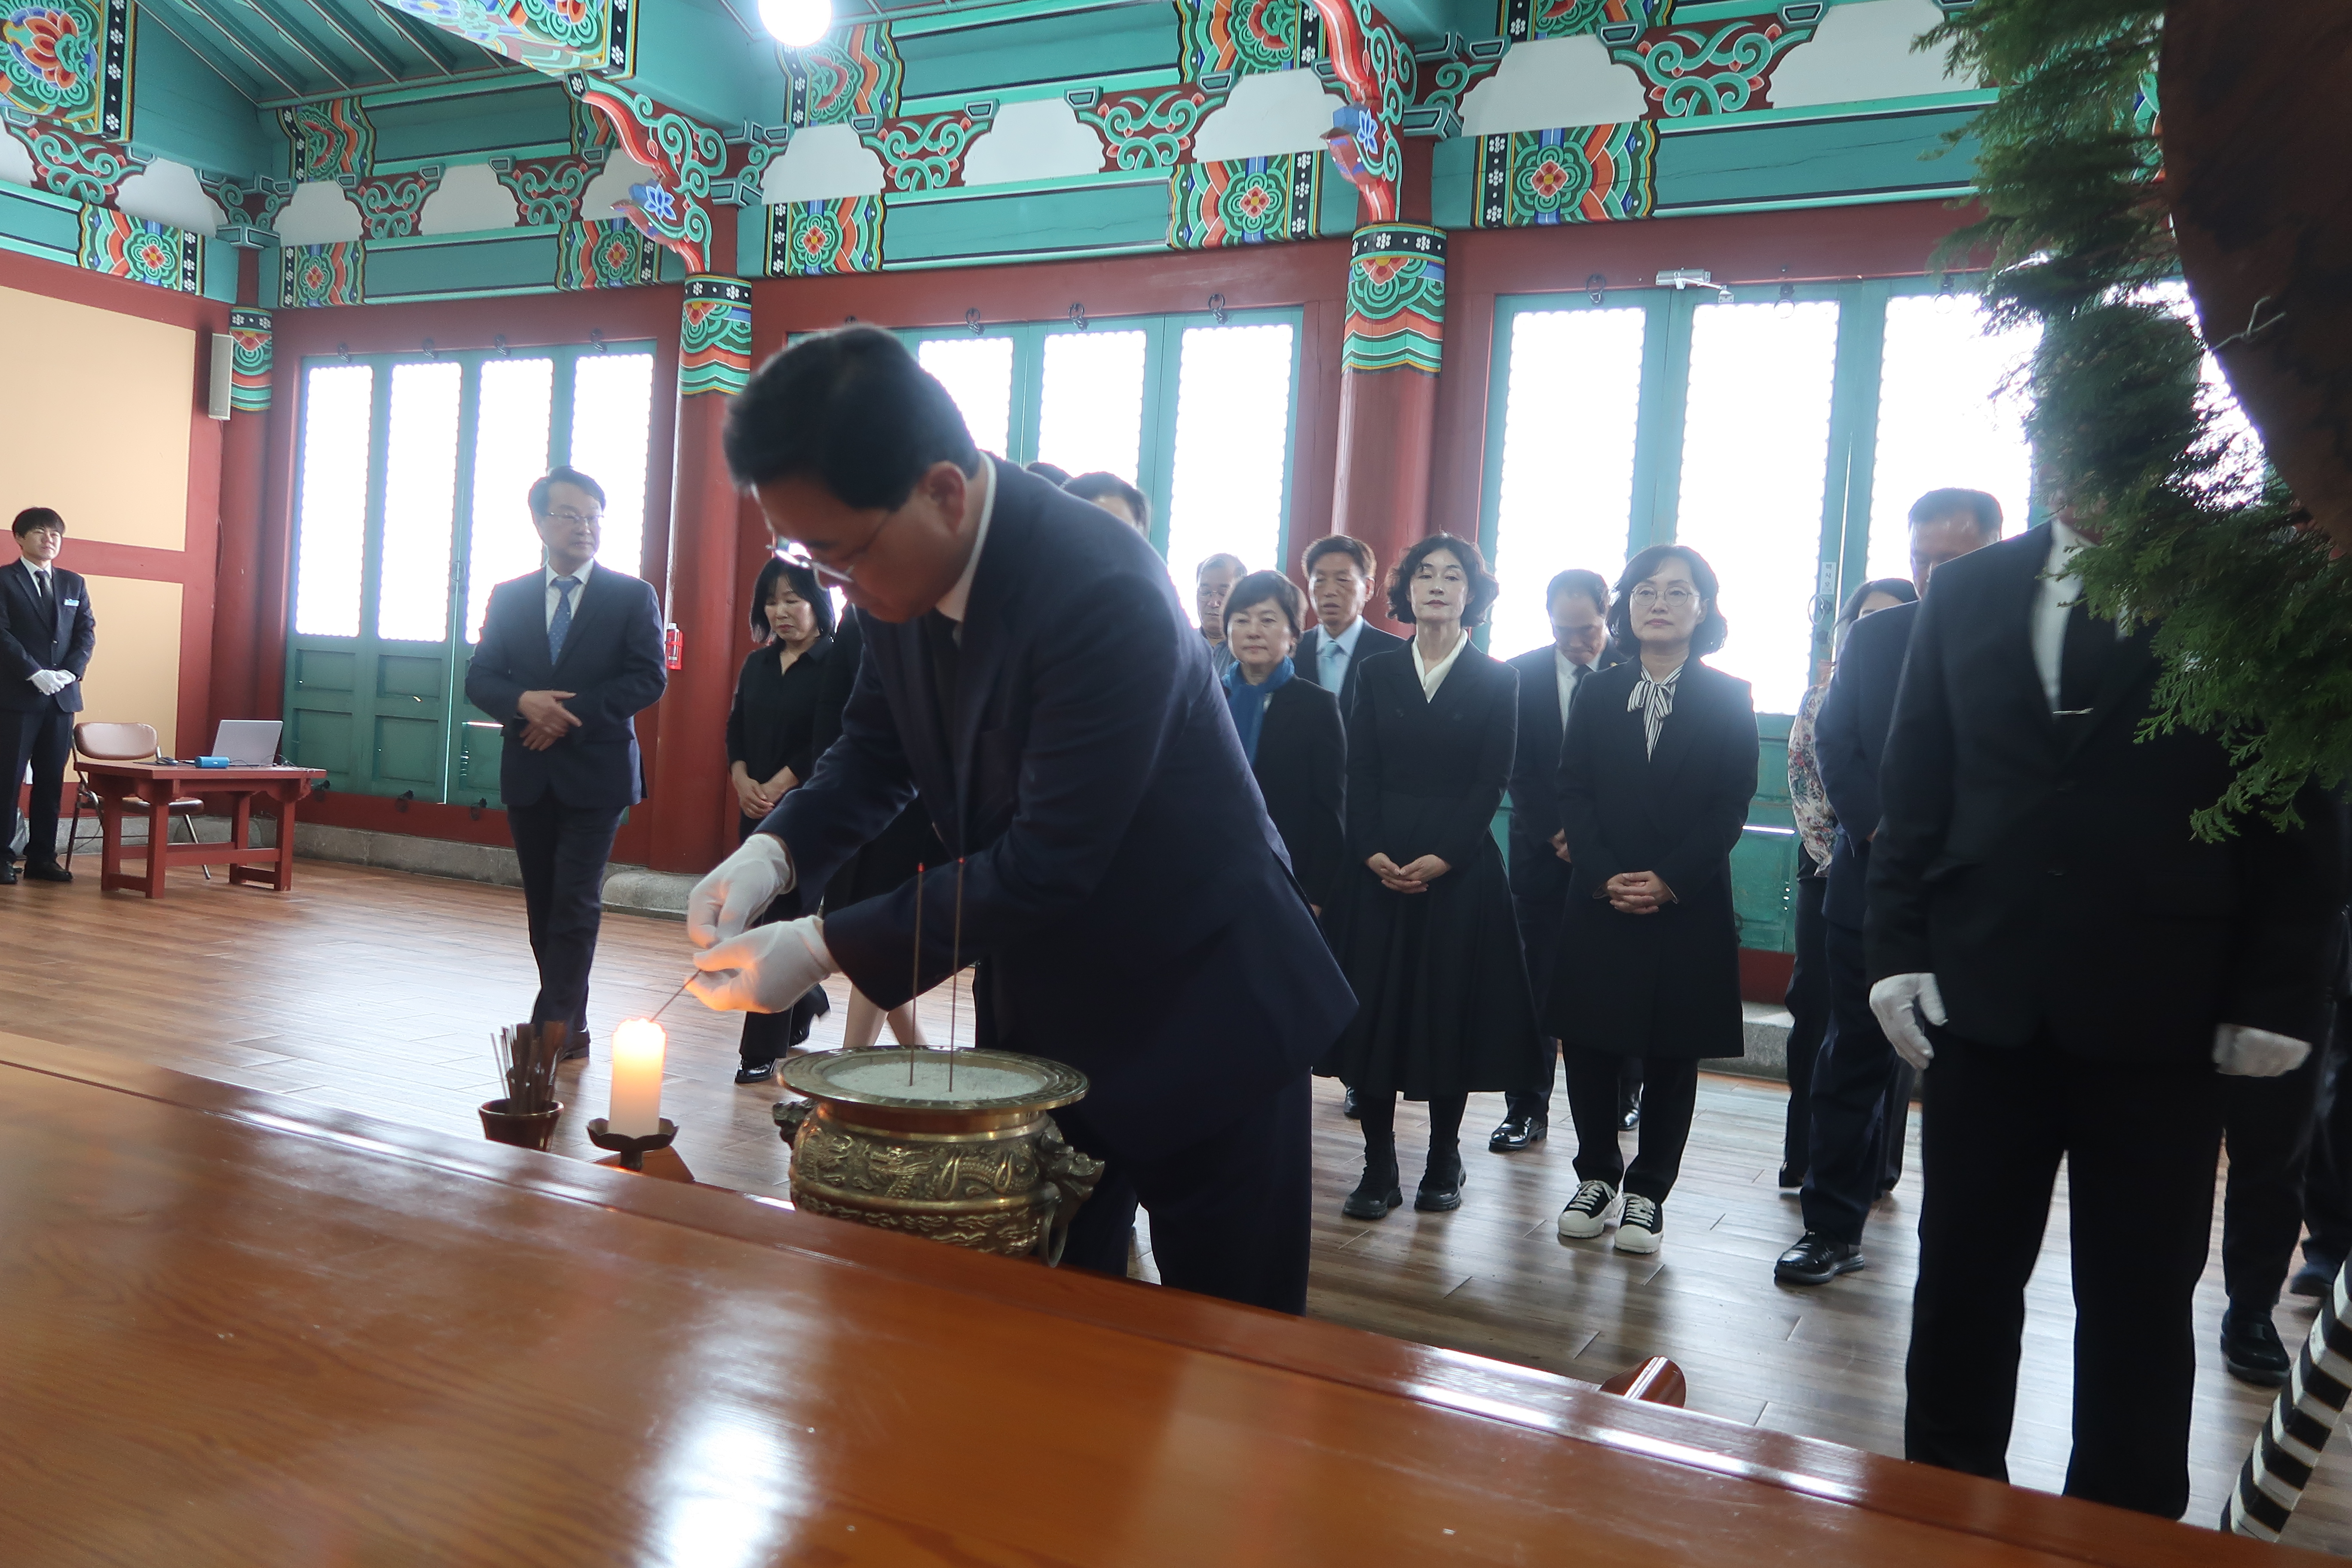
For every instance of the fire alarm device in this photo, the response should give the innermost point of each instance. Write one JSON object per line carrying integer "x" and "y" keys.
{"x": 673, "y": 646}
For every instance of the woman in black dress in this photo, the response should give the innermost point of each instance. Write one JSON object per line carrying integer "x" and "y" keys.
{"x": 1290, "y": 730}
{"x": 772, "y": 747}
{"x": 890, "y": 860}
{"x": 1656, "y": 772}
{"x": 1423, "y": 924}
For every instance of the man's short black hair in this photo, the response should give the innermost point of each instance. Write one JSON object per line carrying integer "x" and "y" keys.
{"x": 1936, "y": 505}
{"x": 850, "y": 410}
{"x": 34, "y": 517}
{"x": 562, "y": 474}
{"x": 1096, "y": 486}
{"x": 1577, "y": 580}
{"x": 1355, "y": 550}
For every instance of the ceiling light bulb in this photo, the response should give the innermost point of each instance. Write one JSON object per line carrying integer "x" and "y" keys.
{"x": 796, "y": 23}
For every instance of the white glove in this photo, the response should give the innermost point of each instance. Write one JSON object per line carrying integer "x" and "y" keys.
{"x": 765, "y": 970}
{"x": 49, "y": 682}
{"x": 2242, "y": 1052}
{"x": 731, "y": 897}
{"x": 1900, "y": 1000}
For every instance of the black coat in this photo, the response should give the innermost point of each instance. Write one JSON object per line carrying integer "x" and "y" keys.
{"x": 1302, "y": 771}
{"x": 1370, "y": 641}
{"x": 37, "y": 634}
{"x": 773, "y": 722}
{"x": 612, "y": 663}
{"x": 1664, "y": 985}
{"x": 1445, "y": 1006}
{"x": 2043, "y": 867}
{"x": 906, "y": 846}
{"x": 1850, "y": 746}
{"x": 1124, "y": 893}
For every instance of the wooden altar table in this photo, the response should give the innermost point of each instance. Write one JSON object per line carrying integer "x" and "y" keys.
{"x": 125, "y": 787}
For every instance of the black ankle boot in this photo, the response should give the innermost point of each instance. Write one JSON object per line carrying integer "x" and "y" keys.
{"x": 1441, "y": 1184}
{"x": 1378, "y": 1193}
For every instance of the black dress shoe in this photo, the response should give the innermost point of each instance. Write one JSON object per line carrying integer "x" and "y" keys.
{"x": 2251, "y": 1351}
{"x": 1629, "y": 1116}
{"x": 7, "y": 873}
{"x": 1791, "y": 1179}
{"x": 577, "y": 1052}
{"x": 1347, "y": 1104}
{"x": 1817, "y": 1259}
{"x": 1441, "y": 1185}
{"x": 1517, "y": 1135}
{"x": 1378, "y": 1193}
{"x": 756, "y": 1072}
{"x": 2318, "y": 1275}
{"x": 46, "y": 871}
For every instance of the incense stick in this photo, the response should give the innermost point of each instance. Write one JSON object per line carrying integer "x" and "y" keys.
{"x": 915, "y": 983}
{"x": 955, "y": 973}
{"x": 673, "y": 996}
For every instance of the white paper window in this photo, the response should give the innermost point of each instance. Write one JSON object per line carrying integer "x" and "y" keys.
{"x": 420, "y": 502}
{"x": 1233, "y": 440}
{"x": 612, "y": 422}
{"x": 1567, "y": 460}
{"x": 977, "y": 373}
{"x": 511, "y": 439}
{"x": 1951, "y": 407}
{"x": 331, "y": 525}
{"x": 1092, "y": 414}
{"x": 1756, "y": 439}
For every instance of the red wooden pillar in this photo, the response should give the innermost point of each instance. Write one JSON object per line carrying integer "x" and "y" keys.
{"x": 1388, "y": 376}
{"x": 240, "y": 688}
{"x": 692, "y": 809}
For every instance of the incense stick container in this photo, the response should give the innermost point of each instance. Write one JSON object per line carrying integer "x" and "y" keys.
{"x": 894, "y": 1140}
{"x": 523, "y": 1129}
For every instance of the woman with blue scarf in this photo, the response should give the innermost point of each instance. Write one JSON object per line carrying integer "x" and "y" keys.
{"x": 1289, "y": 730}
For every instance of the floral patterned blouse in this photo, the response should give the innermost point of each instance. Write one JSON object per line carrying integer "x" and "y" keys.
{"x": 1807, "y": 800}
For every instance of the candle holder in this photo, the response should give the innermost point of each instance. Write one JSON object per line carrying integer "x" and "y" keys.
{"x": 631, "y": 1150}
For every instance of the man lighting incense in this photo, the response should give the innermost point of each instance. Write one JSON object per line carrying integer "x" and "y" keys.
{"x": 1032, "y": 675}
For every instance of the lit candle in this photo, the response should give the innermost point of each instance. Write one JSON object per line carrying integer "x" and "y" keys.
{"x": 638, "y": 1045}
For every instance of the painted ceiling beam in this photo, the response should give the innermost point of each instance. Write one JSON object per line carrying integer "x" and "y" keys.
{"x": 216, "y": 28}
{"x": 365, "y": 50}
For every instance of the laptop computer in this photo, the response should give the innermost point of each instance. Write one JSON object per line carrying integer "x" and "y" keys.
{"x": 249, "y": 742}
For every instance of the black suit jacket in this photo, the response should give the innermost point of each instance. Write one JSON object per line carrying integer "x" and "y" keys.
{"x": 1125, "y": 896}
{"x": 1664, "y": 985}
{"x": 1302, "y": 771}
{"x": 1425, "y": 774}
{"x": 1370, "y": 640}
{"x": 612, "y": 661}
{"x": 2043, "y": 868}
{"x": 36, "y": 635}
{"x": 1850, "y": 745}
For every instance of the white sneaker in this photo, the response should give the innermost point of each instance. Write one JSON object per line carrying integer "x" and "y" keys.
{"x": 1588, "y": 1213}
{"x": 1643, "y": 1226}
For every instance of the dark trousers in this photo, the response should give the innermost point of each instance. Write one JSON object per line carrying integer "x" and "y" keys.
{"x": 2328, "y": 1175}
{"x": 768, "y": 1035}
{"x": 1538, "y": 920}
{"x": 1230, "y": 1215}
{"x": 2266, "y": 1124}
{"x": 1669, "y": 1095}
{"x": 1807, "y": 1000}
{"x": 42, "y": 738}
{"x": 2139, "y": 1147}
{"x": 563, "y": 850}
{"x": 1857, "y": 1119}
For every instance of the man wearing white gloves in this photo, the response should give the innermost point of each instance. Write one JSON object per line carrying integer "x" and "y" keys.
{"x": 46, "y": 636}
{"x": 1031, "y": 674}
{"x": 2070, "y": 967}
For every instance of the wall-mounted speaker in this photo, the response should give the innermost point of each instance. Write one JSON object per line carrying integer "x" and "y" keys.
{"x": 224, "y": 375}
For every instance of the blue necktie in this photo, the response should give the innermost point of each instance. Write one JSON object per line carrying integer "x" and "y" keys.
{"x": 1333, "y": 658}
{"x": 559, "y": 627}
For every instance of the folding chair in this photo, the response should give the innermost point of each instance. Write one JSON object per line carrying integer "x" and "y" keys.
{"x": 101, "y": 742}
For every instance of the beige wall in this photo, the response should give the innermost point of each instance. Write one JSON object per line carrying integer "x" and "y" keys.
{"x": 94, "y": 411}
{"x": 134, "y": 678}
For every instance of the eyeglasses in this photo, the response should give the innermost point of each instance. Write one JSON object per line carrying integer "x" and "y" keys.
{"x": 574, "y": 518}
{"x": 1675, "y": 598}
{"x": 842, "y": 567}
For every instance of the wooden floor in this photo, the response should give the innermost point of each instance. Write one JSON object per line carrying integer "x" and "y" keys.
{"x": 377, "y": 992}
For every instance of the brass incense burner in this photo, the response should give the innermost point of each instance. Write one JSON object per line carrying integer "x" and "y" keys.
{"x": 959, "y": 1150}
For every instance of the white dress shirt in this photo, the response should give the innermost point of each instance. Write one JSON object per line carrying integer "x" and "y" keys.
{"x": 1432, "y": 676}
{"x": 1563, "y": 669}
{"x": 1333, "y": 655}
{"x": 951, "y": 603}
{"x": 555, "y": 595}
{"x": 2053, "y": 601}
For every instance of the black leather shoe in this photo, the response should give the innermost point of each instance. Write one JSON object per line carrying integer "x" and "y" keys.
{"x": 46, "y": 871}
{"x": 1630, "y": 1117}
{"x": 2318, "y": 1275}
{"x": 1376, "y": 1194}
{"x": 577, "y": 1052}
{"x": 1441, "y": 1184}
{"x": 2251, "y": 1351}
{"x": 1817, "y": 1259}
{"x": 1517, "y": 1135}
{"x": 1347, "y": 1104}
{"x": 1791, "y": 1179}
{"x": 7, "y": 873}
{"x": 756, "y": 1072}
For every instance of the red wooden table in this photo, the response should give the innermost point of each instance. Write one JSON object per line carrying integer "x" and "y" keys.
{"x": 123, "y": 787}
